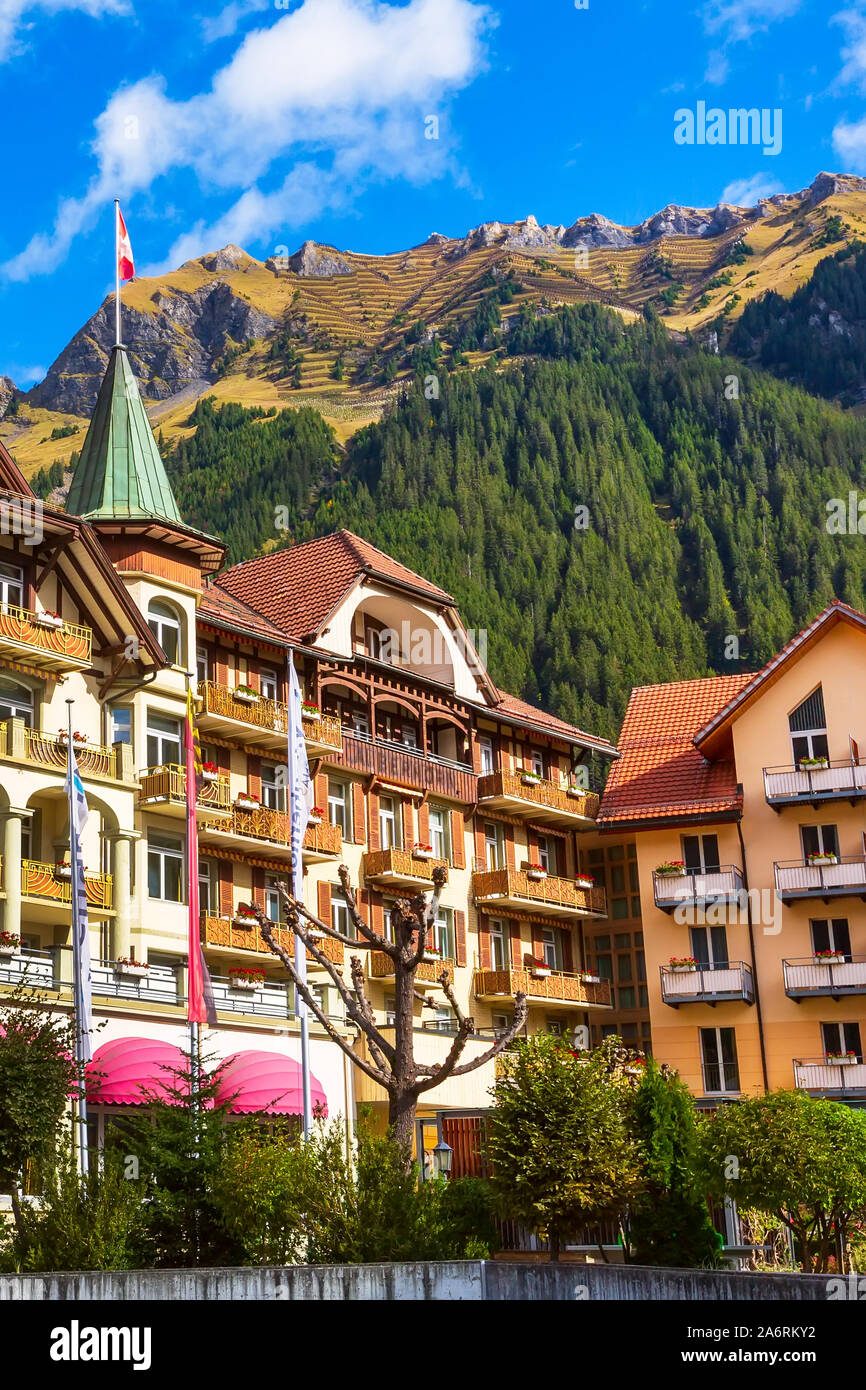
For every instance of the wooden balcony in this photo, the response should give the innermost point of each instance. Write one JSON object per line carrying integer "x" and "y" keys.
{"x": 228, "y": 934}
{"x": 261, "y": 722}
{"x": 33, "y": 638}
{"x": 846, "y": 878}
{"x": 559, "y": 987}
{"x": 697, "y": 889}
{"x": 540, "y": 801}
{"x": 399, "y": 868}
{"x": 811, "y": 977}
{"x": 95, "y": 761}
{"x": 407, "y": 767}
{"x": 44, "y": 883}
{"x": 512, "y": 889}
{"x": 842, "y": 780}
{"x": 380, "y": 966}
{"x": 262, "y": 826}
{"x": 163, "y": 789}
{"x": 708, "y": 984}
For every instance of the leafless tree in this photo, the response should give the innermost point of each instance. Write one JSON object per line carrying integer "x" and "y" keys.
{"x": 391, "y": 1064}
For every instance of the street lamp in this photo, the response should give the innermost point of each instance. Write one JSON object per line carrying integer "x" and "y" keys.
{"x": 442, "y": 1156}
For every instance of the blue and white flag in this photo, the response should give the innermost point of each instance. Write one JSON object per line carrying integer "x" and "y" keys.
{"x": 78, "y": 814}
{"x": 300, "y": 782}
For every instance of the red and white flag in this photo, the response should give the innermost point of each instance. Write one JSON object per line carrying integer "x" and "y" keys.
{"x": 125, "y": 265}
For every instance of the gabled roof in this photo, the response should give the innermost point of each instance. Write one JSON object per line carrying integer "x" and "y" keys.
{"x": 120, "y": 474}
{"x": 299, "y": 588}
{"x": 221, "y": 609}
{"x": 11, "y": 477}
{"x": 660, "y": 774}
{"x": 712, "y": 735}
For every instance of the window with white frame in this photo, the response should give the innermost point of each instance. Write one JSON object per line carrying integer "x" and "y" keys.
{"x": 390, "y": 823}
{"x": 360, "y": 723}
{"x": 494, "y": 844}
{"x": 440, "y": 832}
{"x": 808, "y": 726}
{"x": 273, "y": 902}
{"x": 485, "y": 752}
{"x": 547, "y": 853}
{"x": 340, "y": 919}
{"x": 274, "y": 786}
{"x": 165, "y": 867}
{"x": 165, "y": 624}
{"x": 819, "y": 839}
{"x": 339, "y": 806}
{"x": 11, "y": 586}
{"x": 164, "y": 742}
{"x": 551, "y": 947}
{"x": 441, "y": 1020}
{"x": 536, "y": 759}
{"x": 16, "y": 700}
{"x": 268, "y": 683}
{"x": 387, "y": 927}
{"x": 120, "y": 724}
{"x": 500, "y": 938}
{"x": 443, "y": 932}
{"x": 202, "y": 665}
{"x": 208, "y": 886}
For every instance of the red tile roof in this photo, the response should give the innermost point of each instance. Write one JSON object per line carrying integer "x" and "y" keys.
{"x": 298, "y": 588}
{"x": 219, "y": 607}
{"x": 660, "y": 773}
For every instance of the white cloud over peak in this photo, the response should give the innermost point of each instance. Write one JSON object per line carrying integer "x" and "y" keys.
{"x": 746, "y": 193}
{"x": 737, "y": 21}
{"x": 14, "y": 15}
{"x": 853, "y": 73}
{"x": 341, "y": 86}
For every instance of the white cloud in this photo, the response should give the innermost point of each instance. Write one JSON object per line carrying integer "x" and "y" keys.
{"x": 853, "y": 72}
{"x": 344, "y": 85}
{"x": 746, "y": 193}
{"x": 14, "y": 15}
{"x": 849, "y": 142}
{"x": 23, "y": 376}
{"x": 226, "y": 23}
{"x": 738, "y": 21}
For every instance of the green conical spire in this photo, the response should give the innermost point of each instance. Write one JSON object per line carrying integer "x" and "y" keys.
{"x": 120, "y": 474}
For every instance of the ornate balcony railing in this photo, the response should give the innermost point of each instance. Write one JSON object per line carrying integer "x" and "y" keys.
{"x": 241, "y": 936}
{"x": 535, "y": 799}
{"x": 45, "y": 881}
{"x": 409, "y": 767}
{"x": 399, "y": 865}
{"x": 166, "y": 785}
{"x": 49, "y": 750}
{"x": 55, "y": 644}
{"x": 514, "y": 887}
{"x": 381, "y": 967}
{"x": 269, "y": 716}
{"x": 559, "y": 986}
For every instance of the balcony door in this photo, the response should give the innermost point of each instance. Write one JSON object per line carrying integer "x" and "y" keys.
{"x": 547, "y": 853}
{"x": 273, "y": 901}
{"x": 500, "y": 937}
{"x": 11, "y": 586}
{"x": 701, "y": 853}
{"x": 273, "y": 786}
{"x": 719, "y": 1058}
{"x": 819, "y": 839}
{"x": 485, "y": 752}
{"x": 841, "y": 1038}
{"x": 208, "y": 887}
{"x": 268, "y": 683}
{"x": 551, "y": 947}
{"x": 389, "y": 823}
{"x": 494, "y": 844}
{"x": 808, "y": 726}
{"x": 440, "y": 832}
{"x": 164, "y": 743}
{"x": 832, "y": 934}
{"x": 710, "y": 947}
{"x": 16, "y": 701}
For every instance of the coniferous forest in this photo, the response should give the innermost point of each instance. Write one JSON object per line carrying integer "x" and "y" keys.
{"x": 612, "y": 506}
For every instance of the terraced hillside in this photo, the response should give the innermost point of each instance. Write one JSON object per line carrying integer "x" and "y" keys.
{"x": 340, "y": 329}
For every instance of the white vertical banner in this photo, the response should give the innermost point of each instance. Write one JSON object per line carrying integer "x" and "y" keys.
{"x": 78, "y": 814}
{"x": 300, "y": 805}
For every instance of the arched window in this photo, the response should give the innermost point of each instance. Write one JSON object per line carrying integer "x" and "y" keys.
{"x": 16, "y": 701}
{"x": 165, "y": 624}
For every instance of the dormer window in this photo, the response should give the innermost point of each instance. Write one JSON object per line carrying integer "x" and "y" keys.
{"x": 808, "y": 726}
{"x": 164, "y": 622}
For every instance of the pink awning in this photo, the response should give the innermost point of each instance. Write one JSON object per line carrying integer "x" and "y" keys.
{"x": 266, "y": 1083}
{"x": 128, "y": 1071}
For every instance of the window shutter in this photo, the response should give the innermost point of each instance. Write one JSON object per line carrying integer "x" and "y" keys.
{"x": 567, "y": 952}
{"x": 359, "y": 829}
{"x": 320, "y": 791}
{"x": 532, "y": 844}
{"x": 458, "y": 853}
{"x": 509, "y": 846}
{"x": 254, "y": 775}
{"x": 373, "y": 834}
{"x": 226, "y": 888}
{"x": 484, "y": 941}
{"x": 259, "y": 887}
{"x": 376, "y": 912}
{"x": 424, "y": 824}
{"x": 516, "y": 946}
{"x": 324, "y": 902}
{"x": 475, "y": 749}
{"x": 460, "y": 937}
{"x": 480, "y": 843}
{"x": 223, "y": 759}
{"x": 537, "y": 942}
{"x": 408, "y": 825}
{"x": 221, "y": 666}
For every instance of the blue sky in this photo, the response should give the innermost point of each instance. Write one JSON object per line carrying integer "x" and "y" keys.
{"x": 268, "y": 121}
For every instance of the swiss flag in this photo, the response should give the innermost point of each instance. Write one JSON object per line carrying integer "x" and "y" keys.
{"x": 125, "y": 266}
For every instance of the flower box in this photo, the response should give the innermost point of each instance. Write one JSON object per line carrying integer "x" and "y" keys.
{"x": 829, "y": 958}
{"x": 249, "y": 980}
{"x": 576, "y": 792}
{"x": 78, "y": 740}
{"x": 245, "y": 694}
{"x": 49, "y": 620}
{"x": 132, "y": 969}
{"x": 584, "y": 881}
{"x": 422, "y": 852}
{"x": 63, "y": 871}
{"x": 590, "y": 979}
{"x": 536, "y": 875}
{"x": 682, "y": 967}
{"x": 310, "y": 712}
{"x": 540, "y": 972}
{"x": 432, "y": 954}
{"x": 846, "y": 1059}
{"x": 313, "y": 819}
{"x": 247, "y": 803}
{"x": 10, "y": 944}
{"x": 208, "y": 776}
{"x": 530, "y": 779}
{"x": 244, "y": 919}
{"x": 675, "y": 869}
{"x": 809, "y": 764}
{"x": 820, "y": 859}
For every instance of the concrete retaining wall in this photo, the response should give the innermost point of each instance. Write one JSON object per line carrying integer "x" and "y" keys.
{"x": 461, "y": 1280}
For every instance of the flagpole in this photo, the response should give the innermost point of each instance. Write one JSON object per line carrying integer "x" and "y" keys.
{"x": 78, "y": 1021}
{"x": 192, "y": 888}
{"x": 117, "y": 338}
